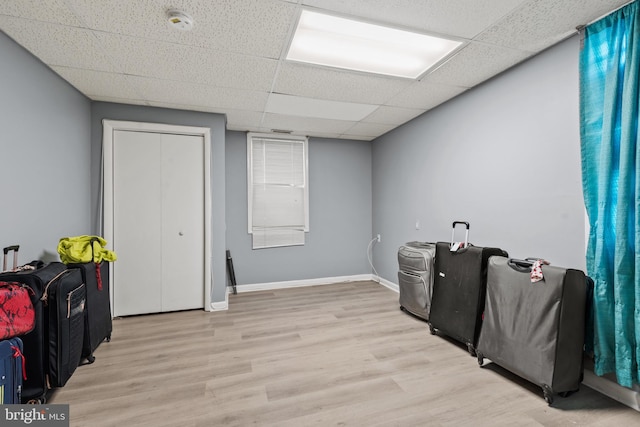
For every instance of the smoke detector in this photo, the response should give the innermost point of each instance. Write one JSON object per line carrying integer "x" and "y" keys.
{"x": 179, "y": 20}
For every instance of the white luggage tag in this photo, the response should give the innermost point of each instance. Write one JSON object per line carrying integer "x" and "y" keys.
{"x": 457, "y": 246}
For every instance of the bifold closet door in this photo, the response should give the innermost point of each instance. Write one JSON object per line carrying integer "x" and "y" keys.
{"x": 158, "y": 212}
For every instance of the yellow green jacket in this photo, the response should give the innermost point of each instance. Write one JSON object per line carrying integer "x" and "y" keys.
{"x": 78, "y": 249}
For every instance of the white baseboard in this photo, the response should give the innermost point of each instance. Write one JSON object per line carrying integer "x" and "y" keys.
{"x": 610, "y": 388}
{"x": 300, "y": 283}
{"x": 387, "y": 284}
{"x": 315, "y": 282}
{"x": 221, "y": 305}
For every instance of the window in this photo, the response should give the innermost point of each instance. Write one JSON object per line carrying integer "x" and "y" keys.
{"x": 278, "y": 190}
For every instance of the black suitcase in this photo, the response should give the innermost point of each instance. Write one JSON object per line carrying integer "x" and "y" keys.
{"x": 536, "y": 329}
{"x": 64, "y": 300}
{"x": 98, "y": 324}
{"x": 35, "y": 343}
{"x": 415, "y": 277}
{"x": 459, "y": 289}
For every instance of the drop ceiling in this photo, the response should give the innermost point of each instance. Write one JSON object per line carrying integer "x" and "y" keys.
{"x": 232, "y": 62}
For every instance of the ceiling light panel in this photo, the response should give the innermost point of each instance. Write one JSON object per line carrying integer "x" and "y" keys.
{"x": 344, "y": 43}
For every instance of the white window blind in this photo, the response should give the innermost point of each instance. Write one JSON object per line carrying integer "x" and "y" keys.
{"x": 277, "y": 189}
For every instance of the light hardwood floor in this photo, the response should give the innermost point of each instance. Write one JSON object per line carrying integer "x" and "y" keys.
{"x": 333, "y": 355}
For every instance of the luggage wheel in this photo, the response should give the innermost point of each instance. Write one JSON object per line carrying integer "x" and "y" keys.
{"x": 108, "y": 339}
{"x": 548, "y": 395}
{"x": 402, "y": 308}
{"x": 472, "y": 351}
{"x": 91, "y": 358}
{"x": 432, "y": 329}
{"x": 480, "y": 359}
{"x": 40, "y": 401}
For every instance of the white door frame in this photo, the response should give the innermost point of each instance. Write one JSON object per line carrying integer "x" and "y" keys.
{"x": 108, "y": 129}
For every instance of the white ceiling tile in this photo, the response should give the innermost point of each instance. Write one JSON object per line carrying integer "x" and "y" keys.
{"x": 124, "y": 51}
{"x": 357, "y": 137}
{"x": 56, "y": 11}
{"x": 368, "y": 129}
{"x": 328, "y": 83}
{"x": 256, "y": 28}
{"x": 280, "y": 121}
{"x": 461, "y": 18}
{"x": 393, "y": 115}
{"x": 424, "y": 95}
{"x": 243, "y": 120}
{"x": 57, "y": 44}
{"x": 185, "y": 107}
{"x": 174, "y": 92}
{"x": 320, "y": 108}
{"x": 476, "y": 63}
{"x": 251, "y": 27}
{"x": 170, "y": 61}
{"x": 98, "y": 83}
{"x": 127, "y": 100}
{"x": 542, "y": 23}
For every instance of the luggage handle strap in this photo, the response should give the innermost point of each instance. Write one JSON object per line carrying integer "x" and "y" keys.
{"x": 97, "y": 264}
{"x": 533, "y": 266}
{"x": 17, "y": 353}
{"x": 521, "y": 265}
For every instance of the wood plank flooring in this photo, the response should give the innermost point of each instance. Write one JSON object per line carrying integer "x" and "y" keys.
{"x": 332, "y": 355}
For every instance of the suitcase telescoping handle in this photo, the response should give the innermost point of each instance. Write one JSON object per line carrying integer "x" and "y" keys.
{"x": 6, "y": 251}
{"x": 466, "y": 235}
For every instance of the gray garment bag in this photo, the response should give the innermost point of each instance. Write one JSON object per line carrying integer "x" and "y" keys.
{"x": 535, "y": 329}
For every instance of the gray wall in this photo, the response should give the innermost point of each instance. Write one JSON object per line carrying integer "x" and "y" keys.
{"x": 44, "y": 156}
{"x": 216, "y": 122}
{"x": 339, "y": 215}
{"x": 504, "y": 156}
{"x": 513, "y": 141}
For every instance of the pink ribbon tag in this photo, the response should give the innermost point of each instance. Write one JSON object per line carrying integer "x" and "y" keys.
{"x": 536, "y": 270}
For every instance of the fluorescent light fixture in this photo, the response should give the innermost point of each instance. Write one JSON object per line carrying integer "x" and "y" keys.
{"x": 344, "y": 43}
{"x": 317, "y": 108}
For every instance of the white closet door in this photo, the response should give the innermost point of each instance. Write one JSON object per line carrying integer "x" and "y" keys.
{"x": 182, "y": 222}
{"x": 158, "y": 222}
{"x": 136, "y": 202}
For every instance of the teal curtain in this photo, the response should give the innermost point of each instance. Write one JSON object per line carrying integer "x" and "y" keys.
{"x": 609, "y": 75}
